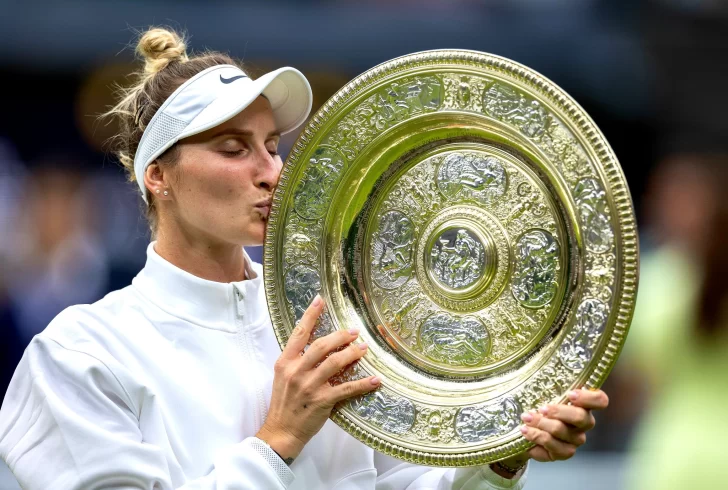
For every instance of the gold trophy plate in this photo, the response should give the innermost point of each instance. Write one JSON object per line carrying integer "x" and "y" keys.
{"x": 472, "y": 221}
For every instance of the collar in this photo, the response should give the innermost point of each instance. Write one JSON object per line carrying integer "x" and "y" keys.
{"x": 205, "y": 303}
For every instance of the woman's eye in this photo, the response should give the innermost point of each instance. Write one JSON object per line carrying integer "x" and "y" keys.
{"x": 231, "y": 153}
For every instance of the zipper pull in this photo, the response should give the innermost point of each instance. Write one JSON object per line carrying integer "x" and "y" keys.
{"x": 239, "y": 297}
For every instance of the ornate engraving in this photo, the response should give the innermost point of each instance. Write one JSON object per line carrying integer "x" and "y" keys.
{"x": 591, "y": 200}
{"x": 302, "y": 283}
{"x": 530, "y": 204}
{"x": 352, "y": 372}
{"x": 552, "y": 381}
{"x": 456, "y": 341}
{"x": 600, "y": 274}
{"x": 435, "y": 425}
{"x": 475, "y": 424}
{"x": 591, "y": 319}
{"x": 569, "y": 156}
{"x": 499, "y": 251}
{"x": 387, "y": 411}
{"x": 511, "y": 326}
{"x": 399, "y": 101}
{"x": 324, "y": 326}
{"x": 457, "y": 258}
{"x": 318, "y": 182}
{"x": 392, "y": 249}
{"x": 548, "y": 132}
{"x": 300, "y": 248}
{"x": 395, "y": 310}
{"x": 514, "y": 107}
{"x": 464, "y": 92}
{"x": 537, "y": 265}
{"x": 483, "y": 176}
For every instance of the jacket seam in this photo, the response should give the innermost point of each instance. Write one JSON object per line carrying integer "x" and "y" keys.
{"x": 118, "y": 381}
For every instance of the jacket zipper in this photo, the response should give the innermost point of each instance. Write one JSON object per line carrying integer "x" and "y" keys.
{"x": 249, "y": 355}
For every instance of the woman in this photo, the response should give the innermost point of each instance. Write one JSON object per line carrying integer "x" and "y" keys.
{"x": 678, "y": 341}
{"x": 177, "y": 380}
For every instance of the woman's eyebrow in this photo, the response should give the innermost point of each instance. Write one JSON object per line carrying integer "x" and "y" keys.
{"x": 242, "y": 132}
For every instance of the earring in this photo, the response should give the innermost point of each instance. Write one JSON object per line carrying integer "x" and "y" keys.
{"x": 166, "y": 193}
{"x": 157, "y": 191}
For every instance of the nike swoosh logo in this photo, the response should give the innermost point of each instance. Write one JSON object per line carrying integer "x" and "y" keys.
{"x": 231, "y": 79}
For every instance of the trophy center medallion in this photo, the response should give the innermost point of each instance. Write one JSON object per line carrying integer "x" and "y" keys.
{"x": 458, "y": 258}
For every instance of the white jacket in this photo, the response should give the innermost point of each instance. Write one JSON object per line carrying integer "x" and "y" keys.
{"x": 163, "y": 385}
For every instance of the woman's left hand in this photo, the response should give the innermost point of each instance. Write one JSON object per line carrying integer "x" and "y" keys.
{"x": 559, "y": 429}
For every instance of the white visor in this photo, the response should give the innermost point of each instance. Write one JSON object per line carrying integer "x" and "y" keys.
{"x": 212, "y": 97}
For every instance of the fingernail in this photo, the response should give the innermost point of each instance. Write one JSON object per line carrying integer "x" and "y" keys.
{"x": 527, "y": 417}
{"x": 353, "y": 331}
{"x": 375, "y": 380}
{"x": 524, "y": 430}
{"x": 363, "y": 346}
{"x": 573, "y": 395}
{"x": 317, "y": 300}
{"x": 544, "y": 410}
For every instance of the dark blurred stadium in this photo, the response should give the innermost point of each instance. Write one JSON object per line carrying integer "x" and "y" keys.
{"x": 652, "y": 74}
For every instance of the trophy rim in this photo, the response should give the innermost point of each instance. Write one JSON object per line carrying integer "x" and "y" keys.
{"x": 611, "y": 173}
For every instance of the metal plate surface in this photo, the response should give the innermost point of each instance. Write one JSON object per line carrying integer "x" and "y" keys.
{"x": 471, "y": 220}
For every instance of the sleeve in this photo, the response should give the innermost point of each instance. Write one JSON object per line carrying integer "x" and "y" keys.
{"x": 67, "y": 423}
{"x": 396, "y": 475}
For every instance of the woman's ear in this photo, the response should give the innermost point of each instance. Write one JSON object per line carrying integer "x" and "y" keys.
{"x": 156, "y": 181}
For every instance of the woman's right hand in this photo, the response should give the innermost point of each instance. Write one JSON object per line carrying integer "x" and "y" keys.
{"x": 302, "y": 397}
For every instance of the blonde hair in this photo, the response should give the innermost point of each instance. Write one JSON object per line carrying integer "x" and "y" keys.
{"x": 166, "y": 67}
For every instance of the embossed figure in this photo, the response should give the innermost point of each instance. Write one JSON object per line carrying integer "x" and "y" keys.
{"x": 516, "y": 108}
{"x": 474, "y": 424}
{"x": 302, "y": 283}
{"x": 455, "y": 341}
{"x": 485, "y": 176}
{"x": 593, "y": 211}
{"x": 591, "y": 320}
{"x": 319, "y": 179}
{"x": 435, "y": 425}
{"x": 394, "y": 314}
{"x": 461, "y": 264}
{"x": 300, "y": 248}
{"x": 537, "y": 260}
{"x": 390, "y": 412}
{"x": 392, "y": 249}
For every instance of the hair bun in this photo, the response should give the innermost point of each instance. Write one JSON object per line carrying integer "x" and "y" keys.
{"x": 159, "y": 47}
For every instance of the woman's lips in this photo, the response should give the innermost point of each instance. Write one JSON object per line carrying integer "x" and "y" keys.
{"x": 264, "y": 207}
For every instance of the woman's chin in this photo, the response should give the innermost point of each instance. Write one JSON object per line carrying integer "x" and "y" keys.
{"x": 254, "y": 236}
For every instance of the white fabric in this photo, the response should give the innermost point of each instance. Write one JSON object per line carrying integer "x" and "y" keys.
{"x": 212, "y": 97}
{"x": 162, "y": 385}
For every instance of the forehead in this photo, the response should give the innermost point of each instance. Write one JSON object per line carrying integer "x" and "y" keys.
{"x": 256, "y": 119}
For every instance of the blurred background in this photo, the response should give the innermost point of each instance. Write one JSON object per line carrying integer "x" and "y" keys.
{"x": 652, "y": 74}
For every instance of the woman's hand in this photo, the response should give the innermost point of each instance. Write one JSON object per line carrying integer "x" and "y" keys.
{"x": 302, "y": 397}
{"x": 558, "y": 429}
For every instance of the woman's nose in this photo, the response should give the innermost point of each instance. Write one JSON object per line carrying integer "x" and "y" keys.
{"x": 269, "y": 170}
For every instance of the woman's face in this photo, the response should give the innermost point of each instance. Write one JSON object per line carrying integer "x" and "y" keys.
{"x": 222, "y": 185}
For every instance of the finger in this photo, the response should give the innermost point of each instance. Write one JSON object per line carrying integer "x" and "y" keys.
{"x": 540, "y": 454}
{"x": 338, "y": 361}
{"x": 557, "y": 449}
{"x": 320, "y": 348}
{"x": 353, "y": 388}
{"x": 569, "y": 414}
{"x": 300, "y": 335}
{"x": 589, "y": 399}
{"x": 556, "y": 428}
